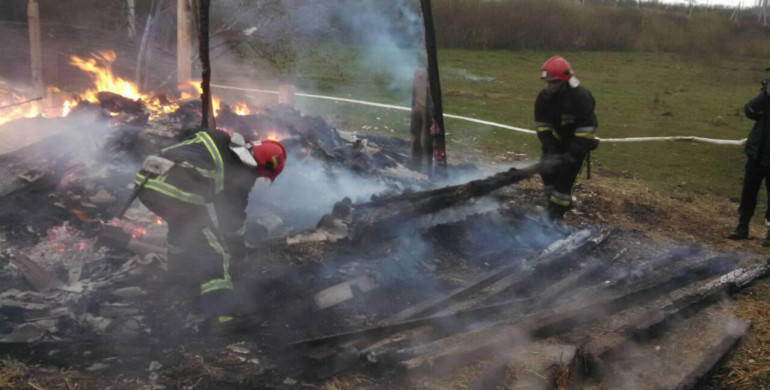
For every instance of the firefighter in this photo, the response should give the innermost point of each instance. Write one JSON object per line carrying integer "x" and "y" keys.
{"x": 566, "y": 126}
{"x": 200, "y": 187}
{"x": 757, "y": 163}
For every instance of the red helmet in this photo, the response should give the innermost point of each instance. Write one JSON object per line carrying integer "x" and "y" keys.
{"x": 556, "y": 68}
{"x": 270, "y": 156}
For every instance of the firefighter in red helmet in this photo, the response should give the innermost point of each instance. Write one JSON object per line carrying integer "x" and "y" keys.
{"x": 200, "y": 187}
{"x": 566, "y": 126}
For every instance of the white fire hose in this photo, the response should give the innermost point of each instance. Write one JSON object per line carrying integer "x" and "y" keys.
{"x": 685, "y": 138}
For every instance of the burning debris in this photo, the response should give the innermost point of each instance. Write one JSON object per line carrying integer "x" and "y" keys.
{"x": 355, "y": 262}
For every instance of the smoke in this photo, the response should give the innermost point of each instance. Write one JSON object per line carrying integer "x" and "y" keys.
{"x": 382, "y": 30}
{"x": 308, "y": 189}
{"x": 386, "y": 37}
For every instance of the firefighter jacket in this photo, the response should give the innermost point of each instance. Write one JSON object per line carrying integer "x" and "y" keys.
{"x": 567, "y": 119}
{"x": 206, "y": 171}
{"x": 758, "y": 142}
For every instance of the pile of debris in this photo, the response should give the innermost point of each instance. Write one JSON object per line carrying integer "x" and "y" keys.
{"x": 413, "y": 280}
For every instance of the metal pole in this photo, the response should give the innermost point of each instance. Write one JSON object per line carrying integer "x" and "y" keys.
{"x": 439, "y": 139}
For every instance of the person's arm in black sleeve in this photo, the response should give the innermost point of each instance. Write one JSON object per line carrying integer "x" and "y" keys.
{"x": 586, "y": 125}
{"x": 544, "y": 126}
{"x": 757, "y": 106}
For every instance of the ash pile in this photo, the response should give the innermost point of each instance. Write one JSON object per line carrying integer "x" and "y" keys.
{"x": 356, "y": 264}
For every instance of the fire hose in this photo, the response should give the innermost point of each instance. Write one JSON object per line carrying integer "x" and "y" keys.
{"x": 681, "y": 138}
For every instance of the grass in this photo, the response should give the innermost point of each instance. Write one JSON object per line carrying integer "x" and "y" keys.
{"x": 699, "y": 96}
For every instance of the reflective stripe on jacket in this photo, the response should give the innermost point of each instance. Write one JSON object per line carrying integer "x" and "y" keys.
{"x": 198, "y": 174}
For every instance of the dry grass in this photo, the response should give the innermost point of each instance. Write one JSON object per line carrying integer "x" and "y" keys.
{"x": 749, "y": 367}
{"x": 17, "y": 375}
{"x": 464, "y": 376}
{"x": 12, "y": 373}
{"x": 630, "y": 204}
{"x": 348, "y": 382}
{"x": 560, "y": 376}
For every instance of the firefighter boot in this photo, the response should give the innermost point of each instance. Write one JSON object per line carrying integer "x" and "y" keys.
{"x": 219, "y": 326}
{"x": 766, "y": 241}
{"x": 741, "y": 232}
{"x": 556, "y": 211}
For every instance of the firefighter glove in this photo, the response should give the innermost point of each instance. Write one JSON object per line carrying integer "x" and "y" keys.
{"x": 549, "y": 142}
{"x": 580, "y": 147}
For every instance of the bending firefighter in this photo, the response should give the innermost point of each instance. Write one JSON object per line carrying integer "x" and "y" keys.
{"x": 201, "y": 187}
{"x": 566, "y": 126}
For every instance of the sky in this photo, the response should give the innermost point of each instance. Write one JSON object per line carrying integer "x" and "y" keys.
{"x": 732, "y": 3}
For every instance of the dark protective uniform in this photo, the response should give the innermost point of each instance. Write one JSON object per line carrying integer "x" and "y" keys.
{"x": 566, "y": 126}
{"x": 203, "y": 198}
{"x": 758, "y": 157}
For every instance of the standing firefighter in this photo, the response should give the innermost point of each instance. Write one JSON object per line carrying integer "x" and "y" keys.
{"x": 566, "y": 126}
{"x": 757, "y": 163}
{"x": 200, "y": 187}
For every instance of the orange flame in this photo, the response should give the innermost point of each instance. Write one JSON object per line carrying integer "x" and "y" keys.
{"x": 16, "y": 108}
{"x": 99, "y": 69}
{"x": 241, "y": 109}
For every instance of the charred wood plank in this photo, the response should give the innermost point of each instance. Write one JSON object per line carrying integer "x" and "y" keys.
{"x": 546, "y": 326}
{"x": 696, "y": 378}
{"x": 40, "y": 278}
{"x": 653, "y": 322}
{"x": 557, "y": 252}
{"x": 116, "y": 103}
{"x": 546, "y": 268}
{"x": 459, "y": 347}
{"x": 684, "y": 277}
{"x": 377, "y": 219}
{"x": 405, "y": 320}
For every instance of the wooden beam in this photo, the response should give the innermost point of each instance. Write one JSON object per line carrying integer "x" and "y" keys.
{"x": 453, "y": 351}
{"x": 35, "y": 47}
{"x": 696, "y": 378}
{"x": 131, "y": 19}
{"x": 183, "y": 42}
{"x": 207, "y": 106}
{"x": 379, "y": 219}
{"x": 434, "y": 81}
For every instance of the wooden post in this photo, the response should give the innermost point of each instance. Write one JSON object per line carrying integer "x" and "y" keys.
{"x": 35, "y": 48}
{"x": 131, "y": 19}
{"x": 421, "y": 151}
{"x": 183, "y": 43}
{"x": 439, "y": 140}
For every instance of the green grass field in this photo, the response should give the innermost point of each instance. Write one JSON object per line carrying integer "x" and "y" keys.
{"x": 637, "y": 94}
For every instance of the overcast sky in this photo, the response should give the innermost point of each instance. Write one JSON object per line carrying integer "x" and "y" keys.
{"x": 733, "y": 3}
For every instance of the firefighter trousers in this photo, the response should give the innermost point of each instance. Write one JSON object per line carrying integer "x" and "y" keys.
{"x": 752, "y": 181}
{"x": 196, "y": 254}
{"x": 560, "y": 182}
